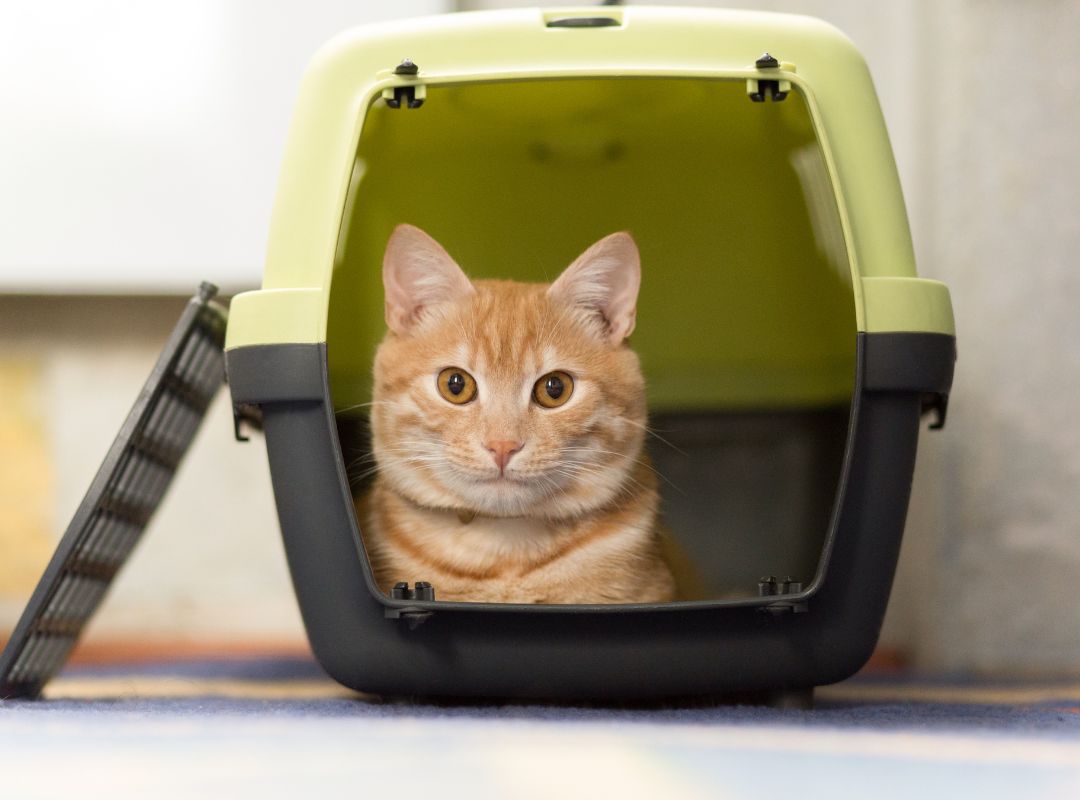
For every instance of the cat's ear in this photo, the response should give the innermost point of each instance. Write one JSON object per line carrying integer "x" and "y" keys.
{"x": 418, "y": 276}
{"x": 604, "y": 280}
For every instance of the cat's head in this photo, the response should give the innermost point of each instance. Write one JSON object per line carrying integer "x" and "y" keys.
{"x": 505, "y": 398}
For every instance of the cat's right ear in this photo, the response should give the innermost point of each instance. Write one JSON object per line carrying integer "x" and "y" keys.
{"x": 418, "y": 276}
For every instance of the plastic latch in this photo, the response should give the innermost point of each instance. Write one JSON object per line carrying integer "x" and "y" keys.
{"x": 938, "y": 404}
{"x": 414, "y": 616}
{"x": 246, "y": 414}
{"x": 770, "y": 586}
{"x": 774, "y": 88}
{"x": 409, "y": 95}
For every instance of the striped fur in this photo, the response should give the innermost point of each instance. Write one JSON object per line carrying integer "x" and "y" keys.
{"x": 573, "y": 519}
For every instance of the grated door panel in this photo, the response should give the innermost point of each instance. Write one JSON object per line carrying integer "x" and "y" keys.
{"x": 121, "y": 500}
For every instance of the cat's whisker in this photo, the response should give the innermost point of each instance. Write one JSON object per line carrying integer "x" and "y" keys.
{"x": 357, "y": 478}
{"x": 424, "y": 460}
{"x": 640, "y": 461}
{"x": 416, "y": 448}
{"x": 652, "y": 432}
{"x": 358, "y": 462}
{"x": 592, "y": 471}
{"x": 627, "y": 488}
{"x": 420, "y": 448}
{"x": 393, "y": 455}
{"x": 347, "y": 409}
{"x": 425, "y": 442}
{"x": 355, "y": 406}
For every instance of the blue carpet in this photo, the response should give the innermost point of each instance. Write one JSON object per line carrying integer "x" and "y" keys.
{"x": 279, "y": 728}
{"x": 1057, "y": 716}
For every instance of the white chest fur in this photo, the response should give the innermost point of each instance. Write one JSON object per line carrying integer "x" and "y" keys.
{"x": 484, "y": 541}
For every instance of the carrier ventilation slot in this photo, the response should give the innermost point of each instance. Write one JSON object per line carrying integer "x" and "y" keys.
{"x": 583, "y": 22}
{"x": 121, "y": 500}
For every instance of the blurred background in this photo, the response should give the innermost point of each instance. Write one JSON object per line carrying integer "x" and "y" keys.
{"x": 139, "y": 150}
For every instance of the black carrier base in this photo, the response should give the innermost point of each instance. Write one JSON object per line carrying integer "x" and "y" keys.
{"x": 594, "y": 652}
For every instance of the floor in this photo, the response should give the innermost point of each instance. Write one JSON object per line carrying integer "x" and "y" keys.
{"x": 278, "y": 727}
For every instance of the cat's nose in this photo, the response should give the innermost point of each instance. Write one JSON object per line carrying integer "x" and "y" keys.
{"x": 501, "y": 450}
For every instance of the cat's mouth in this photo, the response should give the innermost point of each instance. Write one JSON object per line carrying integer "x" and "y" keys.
{"x": 486, "y": 477}
{"x": 522, "y": 490}
{"x": 506, "y": 482}
{"x": 507, "y": 477}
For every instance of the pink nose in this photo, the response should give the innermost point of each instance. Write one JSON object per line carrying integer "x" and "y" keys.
{"x": 501, "y": 450}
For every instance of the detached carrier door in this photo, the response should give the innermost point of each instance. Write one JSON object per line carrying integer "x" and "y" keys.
{"x": 121, "y": 500}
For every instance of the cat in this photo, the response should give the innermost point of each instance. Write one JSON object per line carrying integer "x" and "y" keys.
{"x": 507, "y": 427}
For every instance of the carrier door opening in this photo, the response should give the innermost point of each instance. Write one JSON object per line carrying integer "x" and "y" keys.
{"x": 745, "y": 322}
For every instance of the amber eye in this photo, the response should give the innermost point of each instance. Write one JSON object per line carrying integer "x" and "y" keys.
{"x": 456, "y": 385}
{"x": 554, "y": 389}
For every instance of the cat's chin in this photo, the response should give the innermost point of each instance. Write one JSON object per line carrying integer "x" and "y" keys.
{"x": 505, "y": 497}
{"x": 528, "y": 497}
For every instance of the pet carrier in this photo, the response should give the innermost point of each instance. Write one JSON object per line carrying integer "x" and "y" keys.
{"x": 789, "y": 348}
{"x": 788, "y": 345}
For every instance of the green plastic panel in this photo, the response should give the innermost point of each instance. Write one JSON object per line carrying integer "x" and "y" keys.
{"x": 913, "y": 305}
{"x": 746, "y": 297}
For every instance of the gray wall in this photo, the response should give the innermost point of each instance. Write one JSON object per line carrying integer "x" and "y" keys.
{"x": 993, "y": 556}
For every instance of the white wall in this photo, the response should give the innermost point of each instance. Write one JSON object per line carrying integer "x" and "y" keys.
{"x": 140, "y": 141}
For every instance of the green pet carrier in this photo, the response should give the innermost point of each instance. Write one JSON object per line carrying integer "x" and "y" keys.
{"x": 789, "y": 348}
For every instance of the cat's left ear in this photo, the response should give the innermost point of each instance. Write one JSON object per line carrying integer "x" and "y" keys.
{"x": 604, "y": 280}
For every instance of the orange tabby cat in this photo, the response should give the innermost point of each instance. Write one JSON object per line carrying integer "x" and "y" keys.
{"x": 507, "y": 425}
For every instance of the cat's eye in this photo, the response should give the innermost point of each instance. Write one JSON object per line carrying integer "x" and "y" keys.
{"x": 456, "y": 385}
{"x": 554, "y": 389}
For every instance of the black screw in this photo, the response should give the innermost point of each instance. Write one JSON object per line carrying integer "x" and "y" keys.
{"x": 766, "y": 62}
{"x": 406, "y": 67}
